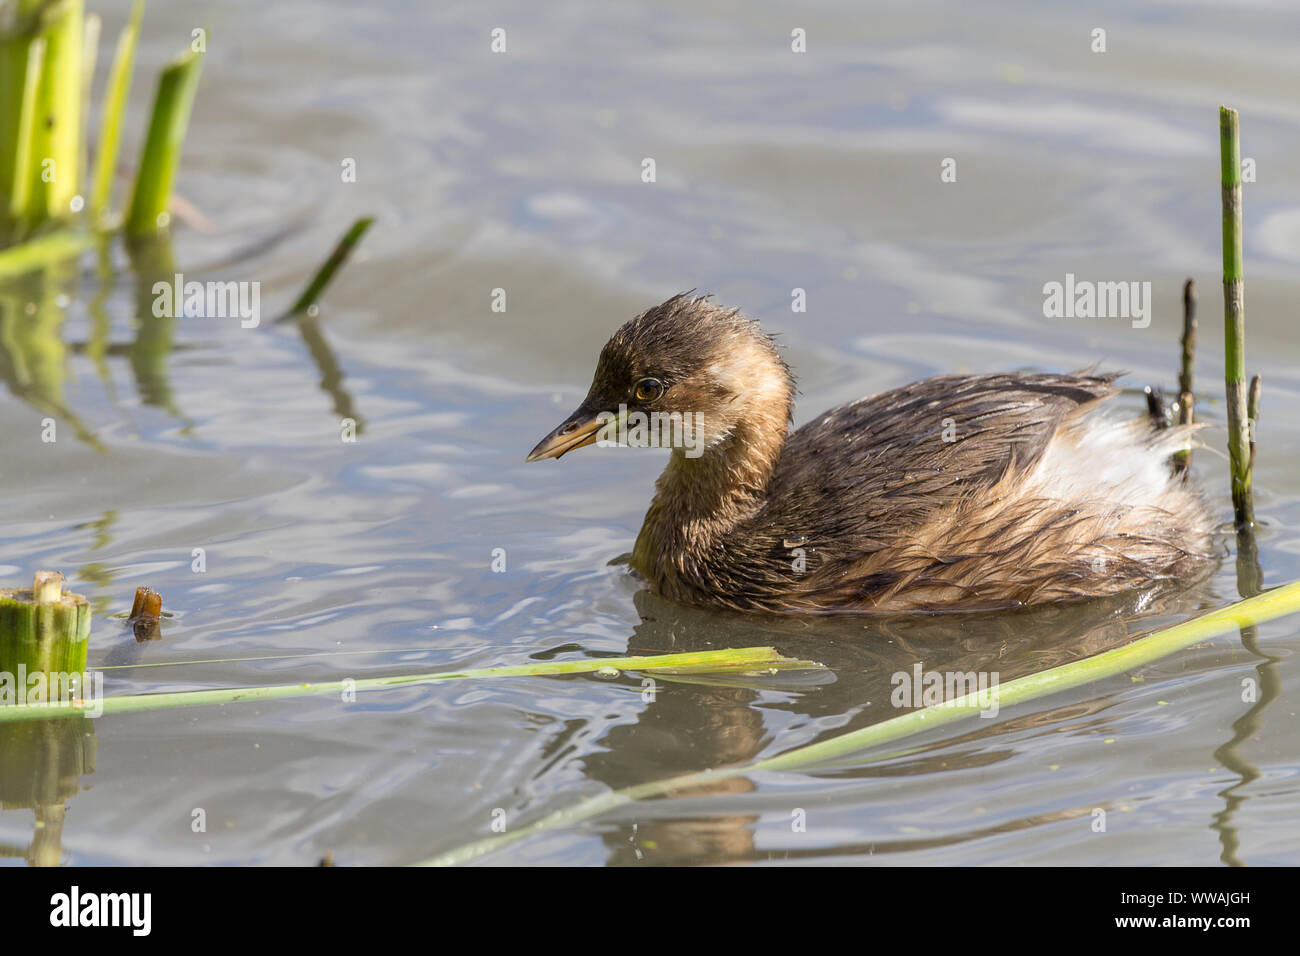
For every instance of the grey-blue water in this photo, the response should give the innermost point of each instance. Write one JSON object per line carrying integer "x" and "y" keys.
{"x": 325, "y": 559}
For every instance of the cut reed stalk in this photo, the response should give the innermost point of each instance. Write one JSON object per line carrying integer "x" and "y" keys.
{"x": 43, "y": 629}
{"x": 147, "y": 603}
{"x": 146, "y": 614}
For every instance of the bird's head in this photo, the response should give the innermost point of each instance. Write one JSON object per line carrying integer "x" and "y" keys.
{"x": 687, "y": 371}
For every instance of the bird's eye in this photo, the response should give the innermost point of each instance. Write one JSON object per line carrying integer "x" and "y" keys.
{"x": 648, "y": 389}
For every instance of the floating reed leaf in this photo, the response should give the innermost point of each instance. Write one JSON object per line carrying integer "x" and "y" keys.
{"x": 724, "y": 661}
{"x": 1256, "y": 610}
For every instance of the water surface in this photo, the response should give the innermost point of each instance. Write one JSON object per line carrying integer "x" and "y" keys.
{"x": 521, "y": 171}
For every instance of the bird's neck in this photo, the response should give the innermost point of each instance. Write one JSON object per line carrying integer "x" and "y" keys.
{"x": 700, "y": 501}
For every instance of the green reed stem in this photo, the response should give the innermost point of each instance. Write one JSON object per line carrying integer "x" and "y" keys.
{"x": 56, "y": 133}
{"x": 115, "y": 102}
{"x": 20, "y": 82}
{"x": 1234, "y": 316}
{"x": 89, "y": 59}
{"x": 17, "y": 98}
{"x": 161, "y": 155}
{"x": 328, "y": 268}
{"x": 1265, "y": 607}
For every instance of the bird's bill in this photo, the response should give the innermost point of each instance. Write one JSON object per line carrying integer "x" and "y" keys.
{"x": 580, "y": 428}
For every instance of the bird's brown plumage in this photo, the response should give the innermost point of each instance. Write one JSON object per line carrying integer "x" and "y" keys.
{"x": 953, "y": 493}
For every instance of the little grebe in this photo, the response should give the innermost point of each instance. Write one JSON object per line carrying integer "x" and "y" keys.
{"x": 961, "y": 492}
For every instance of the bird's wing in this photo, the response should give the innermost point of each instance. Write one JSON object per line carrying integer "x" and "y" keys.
{"x": 897, "y": 456}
